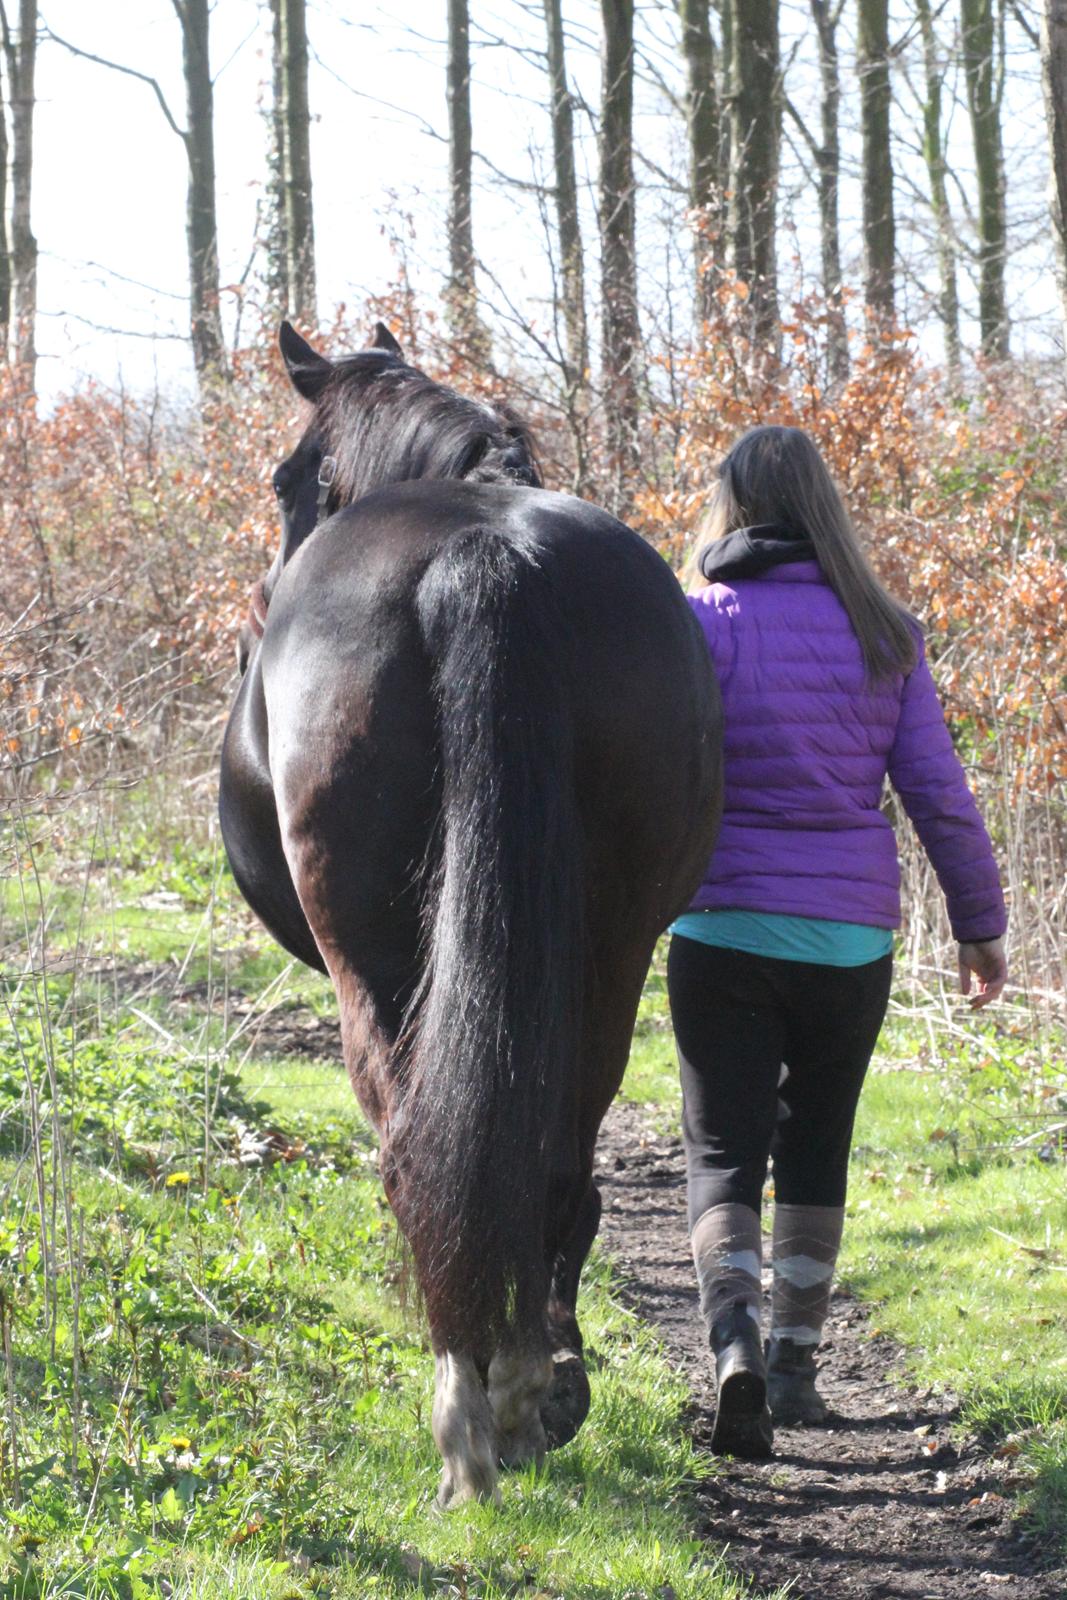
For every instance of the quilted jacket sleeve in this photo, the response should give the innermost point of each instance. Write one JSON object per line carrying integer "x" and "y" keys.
{"x": 926, "y": 773}
{"x": 714, "y": 607}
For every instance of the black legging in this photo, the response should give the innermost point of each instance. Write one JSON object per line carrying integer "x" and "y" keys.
{"x": 737, "y": 1019}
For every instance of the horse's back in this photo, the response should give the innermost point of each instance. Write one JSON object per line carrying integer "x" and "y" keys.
{"x": 638, "y": 667}
{"x": 356, "y": 630}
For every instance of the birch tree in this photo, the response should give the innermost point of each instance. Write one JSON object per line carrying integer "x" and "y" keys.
{"x": 879, "y": 229}
{"x": 461, "y": 292}
{"x": 201, "y": 226}
{"x": 572, "y": 264}
{"x": 755, "y": 117}
{"x": 1054, "y": 73}
{"x": 702, "y": 122}
{"x": 20, "y": 55}
{"x": 276, "y": 242}
{"x": 983, "y": 100}
{"x": 5, "y": 258}
{"x": 294, "y": 123}
{"x": 826, "y": 15}
{"x": 826, "y": 153}
{"x": 948, "y": 302}
{"x": 618, "y": 264}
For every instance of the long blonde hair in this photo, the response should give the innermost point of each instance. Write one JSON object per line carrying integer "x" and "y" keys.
{"x": 776, "y": 475}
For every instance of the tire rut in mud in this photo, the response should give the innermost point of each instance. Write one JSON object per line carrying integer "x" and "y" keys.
{"x": 884, "y": 1503}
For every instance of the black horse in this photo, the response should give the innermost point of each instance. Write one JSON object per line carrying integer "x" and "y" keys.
{"x": 472, "y": 771}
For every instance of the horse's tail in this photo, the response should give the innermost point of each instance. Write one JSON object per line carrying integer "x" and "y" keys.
{"x": 492, "y": 1042}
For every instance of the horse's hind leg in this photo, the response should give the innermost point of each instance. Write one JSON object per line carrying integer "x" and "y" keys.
{"x": 464, "y": 1431}
{"x": 566, "y": 1404}
{"x": 519, "y": 1381}
{"x": 614, "y": 982}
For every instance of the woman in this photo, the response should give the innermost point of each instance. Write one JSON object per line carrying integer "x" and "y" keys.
{"x": 779, "y": 974}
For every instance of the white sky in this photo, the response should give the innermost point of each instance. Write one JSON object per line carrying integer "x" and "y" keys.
{"x": 110, "y": 175}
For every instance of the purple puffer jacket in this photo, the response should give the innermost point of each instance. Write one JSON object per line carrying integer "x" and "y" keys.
{"x": 807, "y": 751}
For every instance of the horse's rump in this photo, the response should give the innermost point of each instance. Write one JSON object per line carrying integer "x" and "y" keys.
{"x": 517, "y": 676}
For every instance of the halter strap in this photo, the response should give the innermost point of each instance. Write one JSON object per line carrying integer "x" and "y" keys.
{"x": 257, "y": 609}
{"x": 327, "y": 473}
{"x": 258, "y": 602}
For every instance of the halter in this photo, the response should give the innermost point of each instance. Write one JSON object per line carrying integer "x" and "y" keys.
{"x": 258, "y": 600}
{"x": 327, "y": 474}
{"x": 257, "y": 609}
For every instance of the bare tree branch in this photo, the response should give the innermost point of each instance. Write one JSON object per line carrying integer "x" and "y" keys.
{"x": 809, "y": 138}
{"x": 1028, "y": 28}
{"x": 236, "y": 51}
{"x": 117, "y": 66}
{"x": 386, "y": 105}
{"x": 118, "y": 333}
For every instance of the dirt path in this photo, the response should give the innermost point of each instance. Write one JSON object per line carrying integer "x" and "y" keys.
{"x": 881, "y": 1505}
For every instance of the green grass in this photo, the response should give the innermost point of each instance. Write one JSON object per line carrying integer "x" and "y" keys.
{"x": 652, "y": 1074}
{"x": 250, "y": 1410}
{"x": 252, "y": 1404}
{"x": 966, "y": 1260}
{"x": 252, "y": 1400}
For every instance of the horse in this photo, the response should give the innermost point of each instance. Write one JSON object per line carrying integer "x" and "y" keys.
{"x": 471, "y": 772}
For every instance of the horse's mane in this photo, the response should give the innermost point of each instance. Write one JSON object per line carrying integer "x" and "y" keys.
{"x": 385, "y": 422}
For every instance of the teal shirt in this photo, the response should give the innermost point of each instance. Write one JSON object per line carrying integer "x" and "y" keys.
{"x": 785, "y": 938}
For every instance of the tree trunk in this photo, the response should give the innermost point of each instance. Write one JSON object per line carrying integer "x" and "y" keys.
{"x": 1054, "y": 72}
{"x": 277, "y": 246}
{"x": 296, "y": 119}
{"x": 726, "y": 55}
{"x": 5, "y": 259}
{"x": 755, "y": 133}
{"x": 702, "y": 119}
{"x": 879, "y": 241}
{"x": 461, "y": 291}
{"x": 825, "y": 14}
{"x": 209, "y": 350}
{"x": 571, "y": 297}
{"x": 572, "y": 265}
{"x": 983, "y": 100}
{"x": 618, "y": 255}
{"x": 21, "y": 55}
{"x": 934, "y": 154}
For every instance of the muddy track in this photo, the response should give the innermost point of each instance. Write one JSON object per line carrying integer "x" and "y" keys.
{"x": 883, "y": 1503}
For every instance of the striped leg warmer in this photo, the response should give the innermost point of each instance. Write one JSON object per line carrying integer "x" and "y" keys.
{"x": 728, "y": 1252}
{"x": 806, "y": 1242}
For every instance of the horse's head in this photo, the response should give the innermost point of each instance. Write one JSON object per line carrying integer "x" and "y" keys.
{"x": 306, "y": 484}
{"x": 376, "y": 420}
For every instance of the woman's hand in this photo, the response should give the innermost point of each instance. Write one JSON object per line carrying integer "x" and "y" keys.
{"x": 989, "y": 965}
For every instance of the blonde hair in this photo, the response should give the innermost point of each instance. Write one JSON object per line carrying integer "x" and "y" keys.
{"x": 776, "y": 475}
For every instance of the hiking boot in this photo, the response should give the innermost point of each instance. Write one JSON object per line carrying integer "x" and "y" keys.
{"x": 791, "y": 1392}
{"x": 742, "y": 1421}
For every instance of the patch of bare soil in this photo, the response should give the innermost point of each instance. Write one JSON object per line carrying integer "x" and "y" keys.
{"x": 881, "y": 1503}
{"x": 294, "y": 1032}
{"x": 282, "y": 1028}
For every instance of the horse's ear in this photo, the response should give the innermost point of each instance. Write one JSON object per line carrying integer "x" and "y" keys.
{"x": 306, "y": 368}
{"x": 383, "y": 340}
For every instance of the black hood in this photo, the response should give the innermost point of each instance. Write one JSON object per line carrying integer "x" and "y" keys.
{"x": 750, "y": 551}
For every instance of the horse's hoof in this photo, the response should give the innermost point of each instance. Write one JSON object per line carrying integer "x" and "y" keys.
{"x": 566, "y": 1405}
{"x": 520, "y": 1449}
{"x": 456, "y": 1490}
